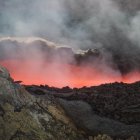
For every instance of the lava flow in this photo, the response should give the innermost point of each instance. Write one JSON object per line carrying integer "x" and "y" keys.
{"x": 59, "y": 75}
{"x": 38, "y": 61}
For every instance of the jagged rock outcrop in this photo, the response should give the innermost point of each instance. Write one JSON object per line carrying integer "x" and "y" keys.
{"x": 45, "y": 113}
{"x": 111, "y": 109}
{"x": 23, "y": 116}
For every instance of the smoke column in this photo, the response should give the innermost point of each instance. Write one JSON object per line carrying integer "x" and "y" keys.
{"x": 109, "y": 28}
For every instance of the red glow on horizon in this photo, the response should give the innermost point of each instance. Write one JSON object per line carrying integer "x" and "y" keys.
{"x": 60, "y": 75}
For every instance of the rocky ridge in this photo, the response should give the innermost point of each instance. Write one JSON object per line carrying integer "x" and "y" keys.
{"x": 23, "y": 116}
{"x": 105, "y": 112}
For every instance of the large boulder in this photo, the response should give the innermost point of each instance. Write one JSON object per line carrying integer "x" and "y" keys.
{"x": 4, "y": 73}
{"x": 86, "y": 119}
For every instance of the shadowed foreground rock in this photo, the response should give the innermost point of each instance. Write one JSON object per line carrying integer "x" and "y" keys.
{"x": 46, "y": 113}
{"x": 25, "y": 117}
{"x": 84, "y": 117}
{"x": 112, "y": 109}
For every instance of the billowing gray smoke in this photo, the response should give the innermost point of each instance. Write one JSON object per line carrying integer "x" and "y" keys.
{"x": 109, "y": 27}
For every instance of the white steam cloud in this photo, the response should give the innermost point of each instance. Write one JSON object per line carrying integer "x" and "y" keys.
{"x": 78, "y": 23}
{"x": 105, "y": 25}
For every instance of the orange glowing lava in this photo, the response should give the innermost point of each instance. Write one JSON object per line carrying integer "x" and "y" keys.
{"x": 60, "y": 75}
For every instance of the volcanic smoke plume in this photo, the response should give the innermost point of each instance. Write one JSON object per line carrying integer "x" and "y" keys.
{"x": 97, "y": 41}
{"x": 38, "y": 61}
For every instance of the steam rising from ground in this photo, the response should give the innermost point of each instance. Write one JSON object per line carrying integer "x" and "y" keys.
{"x": 111, "y": 28}
{"x": 90, "y": 23}
{"x": 38, "y": 61}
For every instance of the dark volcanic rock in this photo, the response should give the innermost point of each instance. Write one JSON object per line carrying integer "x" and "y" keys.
{"x": 85, "y": 118}
{"x": 27, "y": 117}
{"x": 43, "y": 112}
{"x": 113, "y": 109}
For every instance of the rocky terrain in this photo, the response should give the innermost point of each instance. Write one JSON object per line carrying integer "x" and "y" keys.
{"x": 102, "y": 38}
{"x": 25, "y": 117}
{"x": 106, "y": 112}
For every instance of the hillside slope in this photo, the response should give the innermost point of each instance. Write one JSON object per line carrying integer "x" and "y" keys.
{"x": 45, "y": 113}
